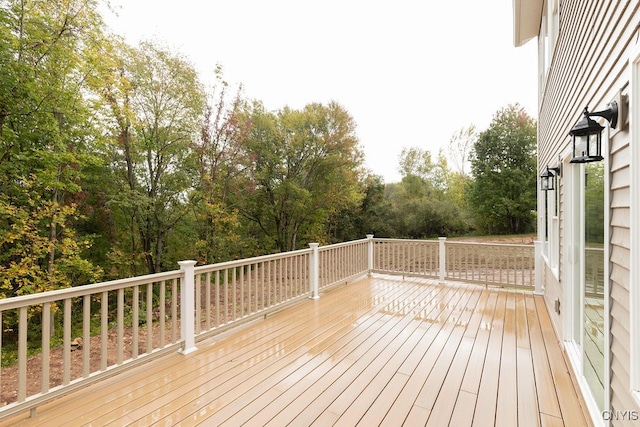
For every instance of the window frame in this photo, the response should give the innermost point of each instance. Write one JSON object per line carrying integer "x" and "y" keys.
{"x": 551, "y": 231}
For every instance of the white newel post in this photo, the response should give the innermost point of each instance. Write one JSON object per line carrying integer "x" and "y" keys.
{"x": 187, "y": 306}
{"x": 442, "y": 258}
{"x": 314, "y": 270}
{"x": 538, "y": 267}
{"x": 370, "y": 255}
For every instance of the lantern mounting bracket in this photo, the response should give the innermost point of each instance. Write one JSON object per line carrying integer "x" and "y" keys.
{"x": 611, "y": 114}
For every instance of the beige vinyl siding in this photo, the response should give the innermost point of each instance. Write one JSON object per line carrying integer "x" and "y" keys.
{"x": 586, "y": 53}
{"x": 621, "y": 398}
{"x": 589, "y": 67}
{"x": 553, "y": 291}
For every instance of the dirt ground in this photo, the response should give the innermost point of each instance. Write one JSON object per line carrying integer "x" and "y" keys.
{"x": 519, "y": 239}
{"x": 9, "y": 375}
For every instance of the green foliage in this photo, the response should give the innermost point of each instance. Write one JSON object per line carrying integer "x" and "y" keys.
{"x": 425, "y": 203}
{"x": 303, "y": 169}
{"x": 503, "y": 166}
{"x": 219, "y": 151}
{"x": 417, "y": 210}
{"x": 46, "y": 136}
{"x": 153, "y": 101}
{"x": 115, "y": 161}
{"x": 460, "y": 148}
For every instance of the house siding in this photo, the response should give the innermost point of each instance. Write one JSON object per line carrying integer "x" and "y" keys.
{"x": 589, "y": 67}
{"x": 552, "y": 291}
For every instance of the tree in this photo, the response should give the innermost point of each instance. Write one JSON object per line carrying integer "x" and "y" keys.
{"x": 370, "y": 216}
{"x": 503, "y": 166}
{"x": 219, "y": 154}
{"x": 460, "y": 146}
{"x": 416, "y": 162}
{"x": 154, "y": 102}
{"x": 47, "y": 136}
{"x": 420, "y": 205}
{"x": 304, "y": 167}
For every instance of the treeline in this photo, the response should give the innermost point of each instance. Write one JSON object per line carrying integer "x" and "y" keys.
{"x": 117, "y": 161}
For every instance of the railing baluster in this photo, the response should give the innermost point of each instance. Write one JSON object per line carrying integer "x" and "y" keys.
{"x": 225, "y": 306}
{"x": 198, "y": 302}
{"x": 120, "y": 325}
{"x": 467, "y": 267}
{"x": 46, "y": 345}
{"x": 250, "y": 297}
{"x": 266, "y": 284}
{"x": 262, "y": 285}
{"x": 217, "y": 296}
{"x": 474, "y": 263}
{"x": 208, "y": 301}
{"x": 270, "y": 282}
{"x": 86, "y": 335}
{"x": 22, "y": 354}
{"x": 135, "y": 307}
{"x": 242, "y": 296}
{"x": 66, "y": 339}
{"x": 174, "y": 310}
{"x": 327, "y": 260}
{"x": 234, "y": 292}
{"x": 281, "y": 281}
{"x": 300, "y": 276}
{"x": 149, "y": 319}
{"x": 288, "y": 294}
{"x": 162, "y": 314}
{"x": 104, "y": 329}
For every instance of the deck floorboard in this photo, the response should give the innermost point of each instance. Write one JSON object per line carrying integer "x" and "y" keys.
{"x": 380, "y": 351}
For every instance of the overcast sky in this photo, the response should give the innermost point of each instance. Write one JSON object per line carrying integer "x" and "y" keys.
{"x": 411, "y": 73}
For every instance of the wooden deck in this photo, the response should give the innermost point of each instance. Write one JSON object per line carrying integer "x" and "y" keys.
{"x": 381, "y": 351}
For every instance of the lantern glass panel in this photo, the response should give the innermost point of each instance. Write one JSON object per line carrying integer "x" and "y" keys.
{"x": 544, "y": 183}
{"x": 594, "y": 148}
{"x": 581, "y": 145}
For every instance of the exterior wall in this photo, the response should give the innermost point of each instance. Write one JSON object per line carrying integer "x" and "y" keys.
{"x": 620, "y": 260}
{"x": 553, "y": 292}
{"x": 590, "y": 67}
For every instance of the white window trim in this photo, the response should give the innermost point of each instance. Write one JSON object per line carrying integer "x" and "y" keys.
{"x": 548, "y": 36}
{"x": 634, "y": 283}
{"x": 551, "y": 238}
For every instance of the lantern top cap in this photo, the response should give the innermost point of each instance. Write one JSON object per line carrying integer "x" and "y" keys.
{"x": 547, "y": 173}
{"x": 586, "y": 124}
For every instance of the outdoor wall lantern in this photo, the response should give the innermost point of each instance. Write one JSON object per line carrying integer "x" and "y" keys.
{"x": 548, "y": 179}
{"x": 587, "y": 135}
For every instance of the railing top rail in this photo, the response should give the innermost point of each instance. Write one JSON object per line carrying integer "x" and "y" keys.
{"x": 454, "y": 242}
{"x": 78, "y": 291}
{"x": 384, "y": 239}
{"x": 339, "y": 245}
{"x": 505, "y": 245}
{"x": 248, "y": 261}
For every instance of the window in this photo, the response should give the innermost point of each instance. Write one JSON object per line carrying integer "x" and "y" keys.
{"x": 549, "y": 29}
{"x": 551, "y": 228}
{"x": 553, "y": 225}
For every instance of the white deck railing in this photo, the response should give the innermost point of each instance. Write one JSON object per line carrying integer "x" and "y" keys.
{"x": 104, "y": 328}
{"x": 486, "y": 263}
